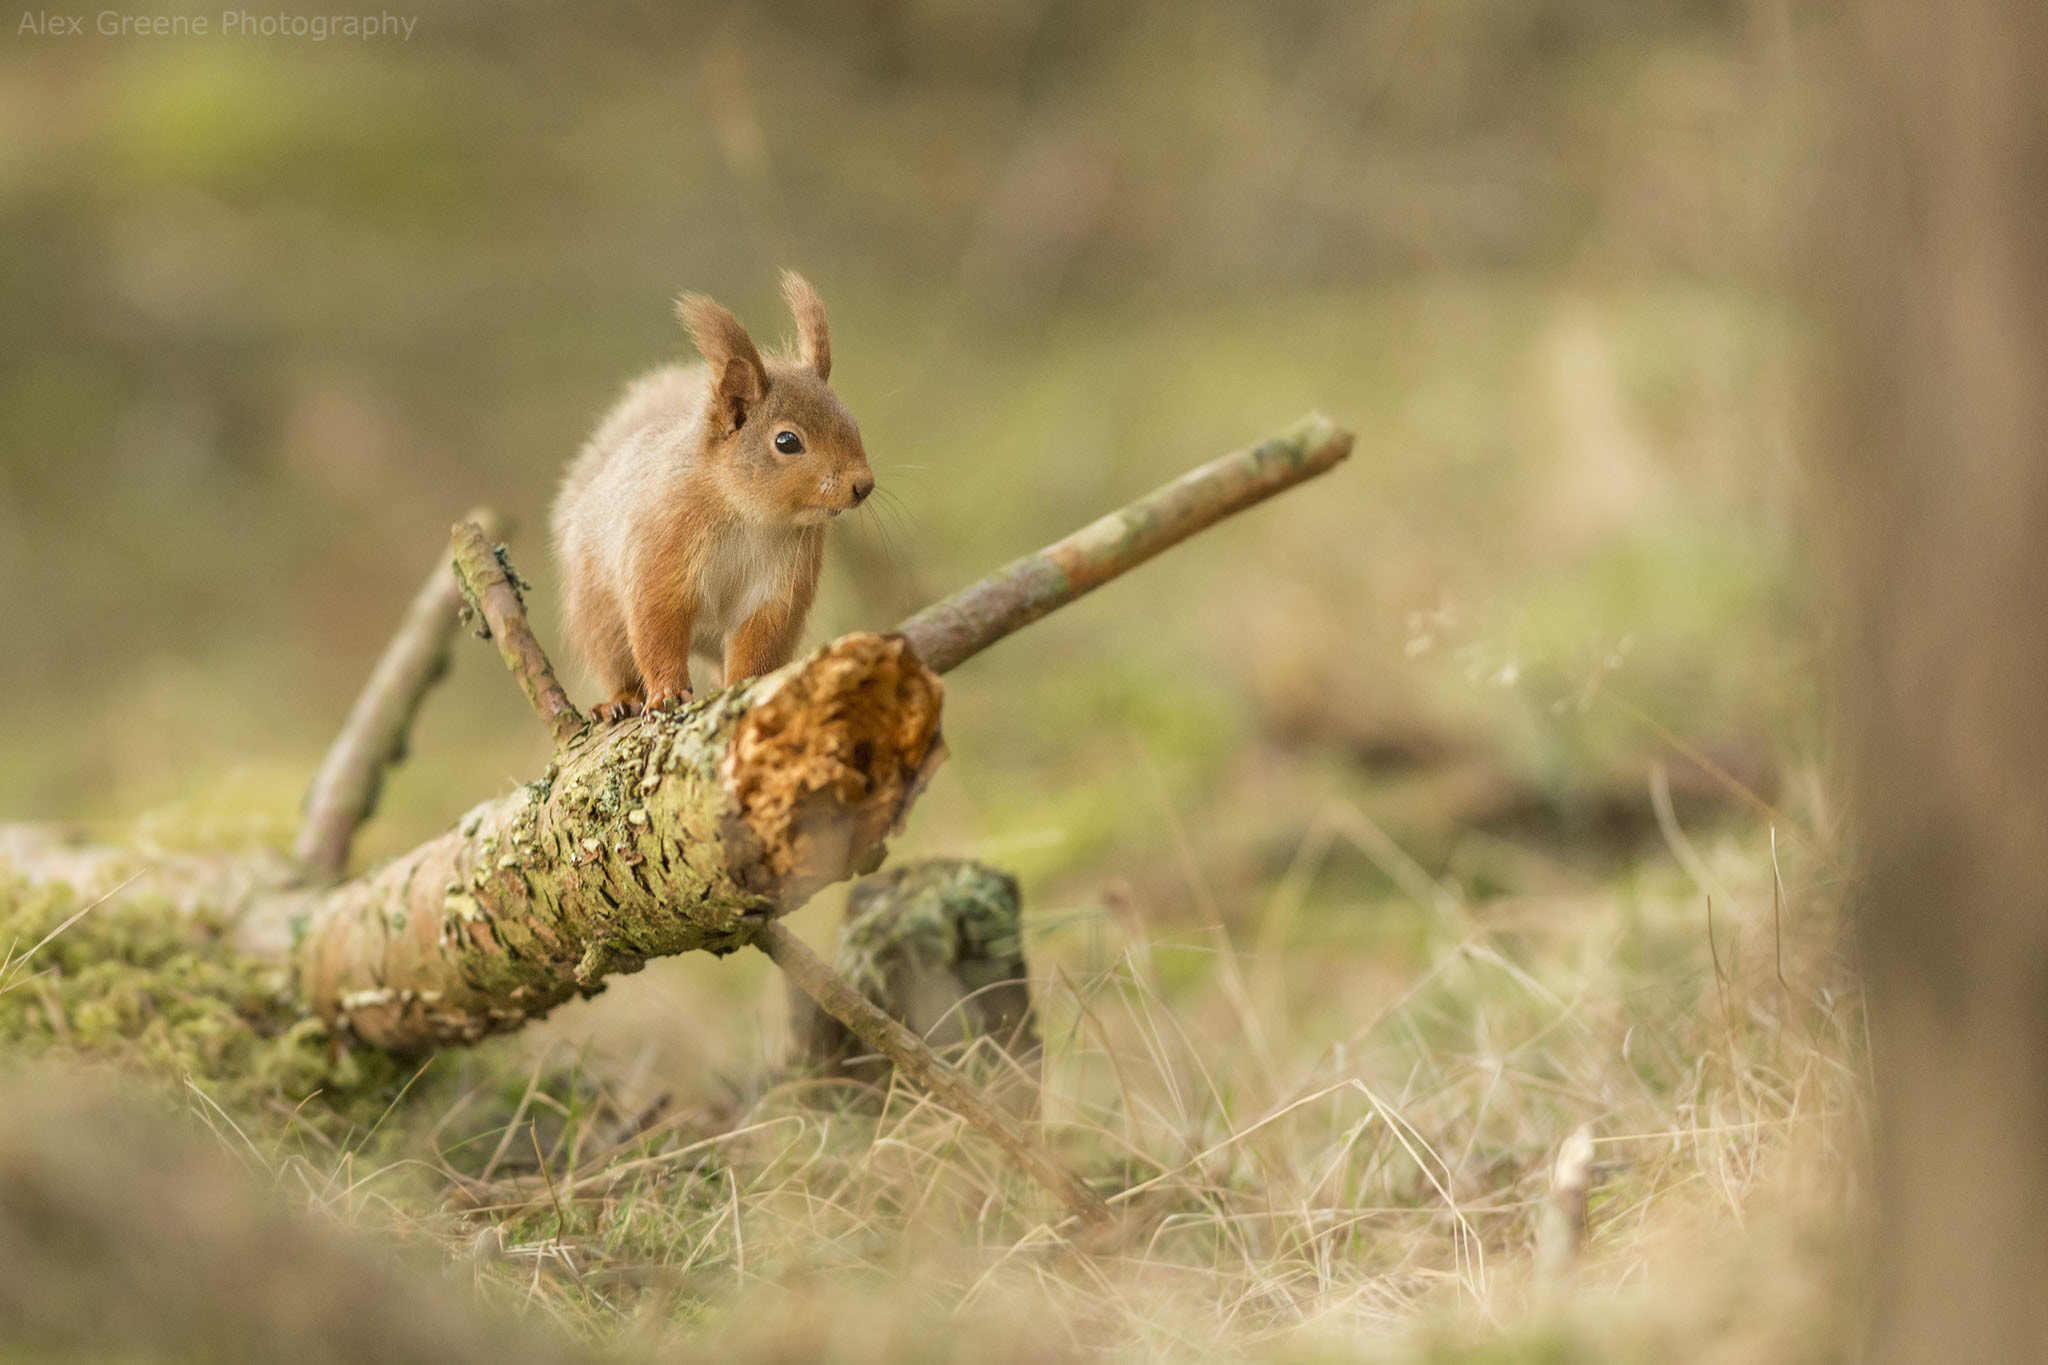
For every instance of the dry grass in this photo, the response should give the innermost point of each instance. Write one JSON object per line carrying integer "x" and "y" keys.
{"x": 1312, "y": 1162}
{"x": 1336, "y": 944}
{"x": 1352, "y": 886}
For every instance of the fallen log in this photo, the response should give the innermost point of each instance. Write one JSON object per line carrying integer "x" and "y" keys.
{"x": 534, "y": 897}
{"x": 691, "y": 829}
{"x": 537, "y": 896}
{"x": 721, "y": 840}
{"x": 680, "y": 831}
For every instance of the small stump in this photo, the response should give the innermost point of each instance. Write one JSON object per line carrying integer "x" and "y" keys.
{"x": 939, "y": 946}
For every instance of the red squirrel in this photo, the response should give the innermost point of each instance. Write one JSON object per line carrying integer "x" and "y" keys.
{"x": 695, "y": 515}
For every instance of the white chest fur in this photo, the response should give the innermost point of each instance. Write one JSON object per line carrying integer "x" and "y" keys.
{"x": 748, "y": 567}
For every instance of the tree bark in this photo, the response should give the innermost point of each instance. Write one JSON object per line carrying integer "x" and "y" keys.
{"x": 677, "y": 831}
{"x": 1935, "y": 482}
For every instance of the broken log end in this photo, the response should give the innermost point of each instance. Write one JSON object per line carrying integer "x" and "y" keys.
{"x": 674, "y": 832}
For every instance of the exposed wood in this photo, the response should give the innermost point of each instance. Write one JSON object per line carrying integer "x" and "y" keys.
{"x": 951, "y": 631}
{"x": 344, "y": 792}
{"x": 489, "y": 587}
{"x": 815, "y": 977}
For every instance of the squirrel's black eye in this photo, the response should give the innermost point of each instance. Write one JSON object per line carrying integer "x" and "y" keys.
{"x": 789, "y": 443}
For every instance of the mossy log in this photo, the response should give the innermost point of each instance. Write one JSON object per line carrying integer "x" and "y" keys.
{"x": 685, "y": 830}
{"x": 677, "y": 831}
{"x": 681, "y": 830}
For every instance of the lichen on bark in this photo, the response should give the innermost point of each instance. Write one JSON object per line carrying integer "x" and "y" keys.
{"x": 678, "y": 831}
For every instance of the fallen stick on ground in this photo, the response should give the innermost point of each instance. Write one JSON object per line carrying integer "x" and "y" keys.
{"x": 816, "y": 978}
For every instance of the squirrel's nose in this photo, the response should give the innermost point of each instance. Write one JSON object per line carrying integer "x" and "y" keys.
{"x": 863, "y": 486}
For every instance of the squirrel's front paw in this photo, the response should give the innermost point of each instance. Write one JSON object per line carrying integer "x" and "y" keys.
{"x": 670, "y": 701}
{"x": 619, "y": 708}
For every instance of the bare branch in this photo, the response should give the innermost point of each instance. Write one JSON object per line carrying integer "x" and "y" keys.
{"x": 951, "y": 631}
{"x": 344, "y": 792}
{"x": 684, "y": 831}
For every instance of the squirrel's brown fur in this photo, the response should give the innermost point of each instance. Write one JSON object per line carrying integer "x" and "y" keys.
{"x": 682, "y": 523}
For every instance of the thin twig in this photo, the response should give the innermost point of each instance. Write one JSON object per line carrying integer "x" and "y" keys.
{"x": 561, "y": 1219}
{"x": 815, "y": 978}
{"x": 1561, "y": 1227}
{"x": 344, "y": 792}
{"x": 956, "y": 628}
{"x": 491, "y": 593}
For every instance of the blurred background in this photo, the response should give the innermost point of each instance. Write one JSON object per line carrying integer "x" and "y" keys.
{"x": 273, "y": 312}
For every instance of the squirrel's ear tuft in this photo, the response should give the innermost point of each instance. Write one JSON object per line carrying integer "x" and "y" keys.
{"x": 813, "y": 341}
{"x": 738, "y": 379}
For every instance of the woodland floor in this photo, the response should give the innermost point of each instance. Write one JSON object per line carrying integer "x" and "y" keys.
{"x": 1371, "y": 843}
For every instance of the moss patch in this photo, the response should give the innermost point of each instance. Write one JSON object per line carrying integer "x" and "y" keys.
{"x": 162, "y": 993}
{"x": 939, "y": 914}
